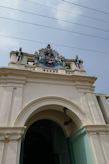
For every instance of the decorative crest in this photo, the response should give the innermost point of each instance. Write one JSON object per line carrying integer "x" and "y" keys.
{"x": 49, "y": 58}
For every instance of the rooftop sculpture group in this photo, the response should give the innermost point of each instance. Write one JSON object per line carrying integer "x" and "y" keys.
{"x": 48, "y": 58}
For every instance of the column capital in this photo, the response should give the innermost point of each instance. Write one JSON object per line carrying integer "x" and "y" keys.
{"x": 11, "y": 133}
{"x": 96, "y": 128}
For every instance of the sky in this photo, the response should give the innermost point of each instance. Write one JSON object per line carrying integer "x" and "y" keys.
{"x": 75, "y": 36}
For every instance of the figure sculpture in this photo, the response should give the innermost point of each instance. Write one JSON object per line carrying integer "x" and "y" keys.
{"x": 19, "y": 54}
{"x": 49, "y": 58}
{"x": 77, "y": 62}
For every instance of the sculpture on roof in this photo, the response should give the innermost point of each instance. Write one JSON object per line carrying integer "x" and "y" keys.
{"x": 46, "y": 59}
{"x": 77, "y": 62}
{"x": 19, "y": 54}
{"x": 49, "y": 58}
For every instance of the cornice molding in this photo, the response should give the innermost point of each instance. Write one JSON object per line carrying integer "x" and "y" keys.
{"x": 97, "y": 128}
{"x": 21, "y": 75}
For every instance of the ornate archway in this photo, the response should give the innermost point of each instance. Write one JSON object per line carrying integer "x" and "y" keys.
{"x": 67, "y": 115}
{"x": 74, "y": 111}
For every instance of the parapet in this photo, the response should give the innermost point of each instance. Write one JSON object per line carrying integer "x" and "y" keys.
{"x": 46, "y": 60}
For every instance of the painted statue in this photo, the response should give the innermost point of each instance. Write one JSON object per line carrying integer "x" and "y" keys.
{"x": 77, "y": 62}
{"x": 49, "y": 58}
{"x": 19, "y": 54}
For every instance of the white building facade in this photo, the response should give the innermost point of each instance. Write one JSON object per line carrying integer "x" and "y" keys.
{"x": 50, "y": 113}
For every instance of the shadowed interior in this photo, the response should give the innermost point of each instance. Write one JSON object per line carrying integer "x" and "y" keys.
{"x": 45, "y": 142}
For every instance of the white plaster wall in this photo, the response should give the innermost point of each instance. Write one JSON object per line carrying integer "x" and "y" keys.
{"x": 15, "y": 96}
{"x": 44, "y": 88}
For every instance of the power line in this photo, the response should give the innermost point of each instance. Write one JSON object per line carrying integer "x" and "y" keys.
{"x": 66, "y": 11}
{"x": 58, "y": 45}
{"x": 53, "y": 18}
{"x": 55, "y": 28}
{"x": 86, "y": 7}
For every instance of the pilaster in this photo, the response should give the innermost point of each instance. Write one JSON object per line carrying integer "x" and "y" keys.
{"x": 99, "y": 142}
{"x": 10, "y": 142}
{"x": 5, "y": 106}
{"x": 104, "y": 107}
{"x": 94, "y": 108}
{"x": 10, "y": 103}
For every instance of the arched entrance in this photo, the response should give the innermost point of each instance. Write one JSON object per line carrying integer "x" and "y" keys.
{"x": 45, "y": 142}
{"x": 54, "y": 133}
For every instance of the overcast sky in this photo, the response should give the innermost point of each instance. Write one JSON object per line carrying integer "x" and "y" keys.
{"x": 95, "y": 63}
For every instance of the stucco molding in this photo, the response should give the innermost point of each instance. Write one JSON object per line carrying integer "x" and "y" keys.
{"x": 34, "y": 106}
{"x": 5, "y": 72}
{"x": 96, "y": 128}
{"x": 11, "y": 133}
